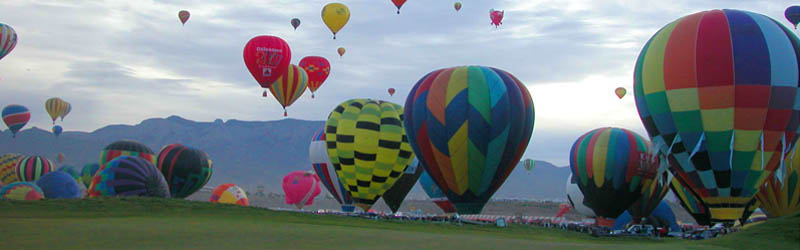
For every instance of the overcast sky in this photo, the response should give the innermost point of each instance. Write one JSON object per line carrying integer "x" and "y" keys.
{"x": 120, "y": 62}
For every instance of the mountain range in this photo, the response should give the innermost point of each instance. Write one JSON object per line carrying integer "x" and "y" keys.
{"x": 247, "y": 153}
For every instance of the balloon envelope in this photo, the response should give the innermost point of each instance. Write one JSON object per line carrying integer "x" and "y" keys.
{"x": 8, "y": 39}
{"x": 620, "y": 92}
{"x": 129, "y": 176}
{"x": 55, "y": 107}
{"x": 24, "y": 191}
{"x": 87, "y": 173}
{"x": 391, "y": 91}
{"x": 229, "y": 194}
{"x": 740, "y": 70}
{"x": 528, "y": 164}
{"x": 395, "y": 196}
{"x": 496, "y": 16}
{"x": 780, "y": 194}
{"x": 71, "y": 171}
{"x": 15, "y": 117}
{"x": 267, "y": 58}
{"x": 300, "y": 188}
{"x": 57, "y": 130}
{"x": 126, "y": 148}
{"x": 341, "y": 51}
{"x": 575, "y": 197}
{"x": 31, "y": 168}
{"x": 457, "y": 6}
{"x": 59, "y": 185}
{"x": 183, "y": 15}
{"x": 317, "y": 68}
{"x": 289, "y": 87}
{"x": 335, "y": 16}
{"x": 792, "y": 14}
{"x": 8, "y": 167}
{"x": 318, "y": 154}
{"x": 661, "y": 216}
{"x": 185, "y": 169}
{"x": 469, "y": 126}
{"x": 435, "y": 193}
{"x": 295, "y": 23}
{"x": 398, "y": 4}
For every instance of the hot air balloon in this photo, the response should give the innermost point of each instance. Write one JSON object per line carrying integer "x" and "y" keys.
{"x": 15, "y": 117}
{"x": 341, "y": 51}
{"x": 24, "y": 191}
{"x": 435, "y": 193}
{"x": 335, "y": 16}
{"x": 57, "y": 130}
{"x": 715, "y": 91}
{"x": 30, "y": 168}
{"x": 395, "y": 196}
{"x": 398, "y": 4}
{"x": 60, "y": 158}
{"x": 267, "y": 58}
{"x": 55, "y": 107}
{"x": 229, "y": 194}
{"x": 780, "y": 194}
{"x": 59, "y": 185}
{"x": 691, "y": 203}
{"x": 661, "y": 216}
{"x": 67, "y": 109}
{"x": 457, "y": 6}
{"x": 792, "y": 14}
{"x": 295, "y": 23}
{"x": 183, "y": 15}
{"x": 575, "y": 197}
{"x": 88, "y": 172}
{"x": 367, "y": 146}
{"x": 469, "y": 143}
{"x": 300, "y": 188}
{"x": 318, "y": 68}
{"x": 496, "y": 16}
{"x": 126, "y": 148}
{"x": 185, "y": 169}
{"x": 8, "y": 167}
{"x": 528, "y": 164}
{"x": 654, "y": 188}
{"x": 129, "y": 176}
{"x": 620, "y": 92}
{"x": 8, "y": 39}
{"x": 610, "y": 165}
{"x": 391, "y": 91}
{"x": 71, "y": 171}
{"x": 318, "y": 154}
{"x": 289, "y": 87}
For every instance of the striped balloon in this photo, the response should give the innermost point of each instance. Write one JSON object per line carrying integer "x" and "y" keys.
{"x": 610, "y": 165}
{"x": 229, "y": 194}
{"x": 31, "y": 168}
{"x": 126, "y": 147}
{"x": 318, "y": 154}
{"x": 55, "y": 107}
{"x": 367, "y": 146}
{"x": 435, "y": 193}
{"x": 15, "y": 117}
{"x": 718, "y": 92}
{"x": 8, "y": 167}
{"x": 528, "y": 164}
{"x": 23, "y": 191}
{"x": 185, "y": 169}
{"x": 289, "y": 87}
{"x": 87, "y": 173}
{"x": 780, "y": 194}
{"x": 67, "y": 109}
{"x": 318, "y": 68}
{"x": 8, "y": 39}
{"x": 653, "y": 191}
{"x": 129, "y": 176}
{"x": 469, "y": 125}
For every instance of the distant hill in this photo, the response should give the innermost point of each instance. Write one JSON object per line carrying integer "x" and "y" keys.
{"x": 248, "y": 153}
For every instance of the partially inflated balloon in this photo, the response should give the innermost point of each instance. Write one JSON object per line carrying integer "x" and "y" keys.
{"x": 267, "y": 58}
{"x": 8, "y": 40}
{"x": 318, "y": 68}
{"x": 55, "y": 107}
{"x": 528, "y": 164}
{"x": 496, "y": 16}
{"x": 341, "y": 51}
{"x": 129, "y": 176}
{"x": 59, "y": 185}
{"x": 123, "y": 148}
{"x": 792, "y": 14}
{"x": 435, "y": 193}
{"x": 717, "y": 92}
{"x": 57, "y": 130}
{"x": 300, "y": 188}
{"x": 295, "y": 23}
{"x": 183, "y": 15}
{"x": 457, "y": 6}
{"x": 610, "y": 165}
{"x": 185, "y": 169}
{"x": 15, "y": 117}
{"x": 335, "y": 16}
{"x": 24, "y": 191}
{"x": 395, "y": 196}
{"x": 469, "y": 126}
{"x": 318, "y": 154}
{"x": 289, "y": 87}
{"x": 620, "y": 92}
{"x": 229, "y": 194}
{"x": 391, "y": 91}
{"x": 576, "y": 199}
{"x": 780, "y": 194}
{"x": 368, "y": 147}
{"x": 398, "y": 4}
{"x": 31, "y": 168}
{"x": 653, "y": 191}
{"x": 8, "y": 168}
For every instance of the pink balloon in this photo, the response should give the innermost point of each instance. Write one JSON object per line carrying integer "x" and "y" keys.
{"x": 300, "y": 188}
{"x": 496, "y": 16}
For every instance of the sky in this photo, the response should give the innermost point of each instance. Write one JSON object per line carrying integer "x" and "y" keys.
{"x": 120, "y": 62}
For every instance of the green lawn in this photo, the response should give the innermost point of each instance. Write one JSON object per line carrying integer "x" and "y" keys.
{"x": 134, "y": 223}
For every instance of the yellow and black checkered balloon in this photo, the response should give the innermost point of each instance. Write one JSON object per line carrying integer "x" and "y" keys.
{"x": 368, "y": 147}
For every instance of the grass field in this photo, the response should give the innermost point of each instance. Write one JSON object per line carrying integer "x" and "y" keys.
{"x": 138, "y": 223}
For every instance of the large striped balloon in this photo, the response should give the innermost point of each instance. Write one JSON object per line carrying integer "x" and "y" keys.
{"x": 717, "y": 90}
{"x": 367, "y": 146}
{"x": 31, "y": 168}
{"x": 318, "y": 154}
{"x": 87, "y": 173}
{"x": 318, "y": 69}
{"x": 780, "y": 194}
{"x": 55, "y": 107}
{"x": 435, "y": 193}
{"x": 24, "y": 191}
{"x": 15, "y": 117}
{"x": 610, "y": 165}
{"x": 469, "y": 125}
{"x": 129, "y": 176}
{"x": 185, "y": 169}
{"x": 8, "y": 168}
{"x": 8, "y": 39}
{"x": 290, "y": 86}
{"x": 126, "y": 147}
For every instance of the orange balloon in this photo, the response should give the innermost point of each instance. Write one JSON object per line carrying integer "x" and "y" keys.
{"x": 341, "y": 51}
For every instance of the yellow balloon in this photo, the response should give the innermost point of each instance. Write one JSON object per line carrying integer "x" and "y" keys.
{"x": 335, "y": 16}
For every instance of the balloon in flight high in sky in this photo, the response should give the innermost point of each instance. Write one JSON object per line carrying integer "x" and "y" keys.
{"x": 289, "y": 87}
{"x": 398, "y": 4}
{"x": 57, "y": 129}
{"x": 267, "y": 58}
{"x": 318, "y": 68}
{"x": 183, "y": 15}
{"x": 335, "y": 16}
{"x": 528, "y": 164}
{"x": 496, "y": 16}
{"x": 15, "y": 117}
{"x": 8, "y": 40}
{"x": 620, "y": 92}
{"x": 716, "y": 92}
{"x": 792, "y": 14}
{"x": 457, "y": 6}
{"x": 391, "y": 91}
{"x": 341, "y": 51}
{"x": 55, "y": 107}
{"x": 295, "y": 23}
{"x": 67, "y": 109}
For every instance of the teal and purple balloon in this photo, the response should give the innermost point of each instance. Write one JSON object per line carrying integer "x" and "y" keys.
{"x": 793, "y": 15}
{"x": 129, "y": 176}
{"x": 57, "y": 129}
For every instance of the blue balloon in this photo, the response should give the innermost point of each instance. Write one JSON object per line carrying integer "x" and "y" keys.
{"x": 59, "y": 185}
{"x": 57, "y": 129}
{"x": 660, "y": 217}
{"x": 793, "y": 15}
